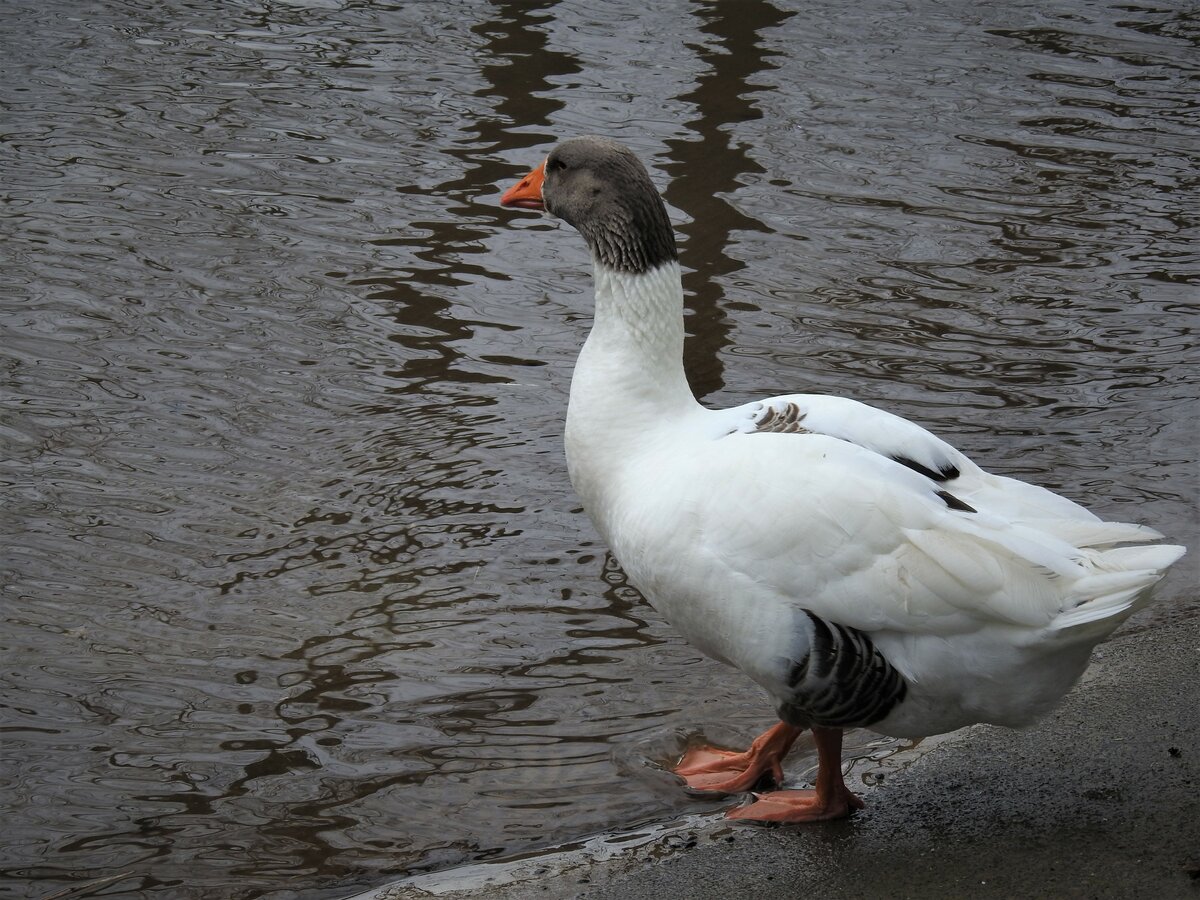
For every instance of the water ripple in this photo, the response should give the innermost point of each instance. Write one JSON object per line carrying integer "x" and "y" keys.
{"x": 296, "y": 591}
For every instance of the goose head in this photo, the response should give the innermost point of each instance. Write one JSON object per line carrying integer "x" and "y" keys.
{"x": 601, "y": 189}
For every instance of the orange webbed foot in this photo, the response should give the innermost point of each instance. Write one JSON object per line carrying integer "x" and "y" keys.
{"x": 729, "y": 772}
{"x": 726, "y": 772}
{"x": 831, "y": 799}
{"x": 797, "y": 806}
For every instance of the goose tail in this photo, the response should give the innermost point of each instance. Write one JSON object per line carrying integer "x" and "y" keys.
{"x": 1119, "y": 584}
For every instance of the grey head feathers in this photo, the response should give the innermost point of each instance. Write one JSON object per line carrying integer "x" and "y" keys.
{"x": 603, "y": 190}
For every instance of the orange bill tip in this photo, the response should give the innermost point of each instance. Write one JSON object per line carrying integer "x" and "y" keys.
{"x": 526, "y": 193}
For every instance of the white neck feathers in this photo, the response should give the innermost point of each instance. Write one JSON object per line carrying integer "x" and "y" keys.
{"x": 629, "y": 381}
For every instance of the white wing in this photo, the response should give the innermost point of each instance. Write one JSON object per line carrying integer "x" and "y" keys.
{"x": 870, "y": 521}
{"x": 912, "y": 446}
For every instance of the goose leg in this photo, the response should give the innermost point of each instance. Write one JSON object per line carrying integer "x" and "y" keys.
{"x": 727, "y": 772}
{"x": 831, "y": 799}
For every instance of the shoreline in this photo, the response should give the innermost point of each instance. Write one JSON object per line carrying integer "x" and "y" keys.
{"x": 1100, "y": 799}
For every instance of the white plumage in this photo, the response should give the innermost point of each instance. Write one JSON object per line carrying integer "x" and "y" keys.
{"x": 728, "y": 530}
{"x": 985, "y": 594}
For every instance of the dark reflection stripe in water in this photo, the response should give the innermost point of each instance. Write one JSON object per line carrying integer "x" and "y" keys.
{"x": 520, "y": 64}
{"x": 706, "y": 169}
{"x": 296, "y": 594}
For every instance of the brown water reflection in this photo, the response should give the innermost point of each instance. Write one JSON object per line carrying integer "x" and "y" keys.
{"x": 296, "y": 593}
{"x": 706, "y": 167}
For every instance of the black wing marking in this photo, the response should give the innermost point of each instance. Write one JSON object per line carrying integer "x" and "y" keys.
{"x": 840, "y": 679}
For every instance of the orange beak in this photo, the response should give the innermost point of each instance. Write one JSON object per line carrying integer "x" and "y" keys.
{"x": 527, "y": 193}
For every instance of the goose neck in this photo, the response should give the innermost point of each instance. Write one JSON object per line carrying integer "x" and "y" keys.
{"x": 637, "y": 336}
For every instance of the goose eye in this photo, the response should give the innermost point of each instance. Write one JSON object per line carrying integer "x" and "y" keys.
{"x": 555, "y": 165}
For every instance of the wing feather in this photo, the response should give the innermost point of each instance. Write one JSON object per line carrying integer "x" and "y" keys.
{"x": 824, "y": 525}
{"x": 908, "y": 444}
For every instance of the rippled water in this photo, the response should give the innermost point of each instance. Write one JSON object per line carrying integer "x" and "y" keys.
{"x": 296, "y": 593}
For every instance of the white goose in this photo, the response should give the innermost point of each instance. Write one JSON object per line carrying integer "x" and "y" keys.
{"x": 860, "y": 569}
